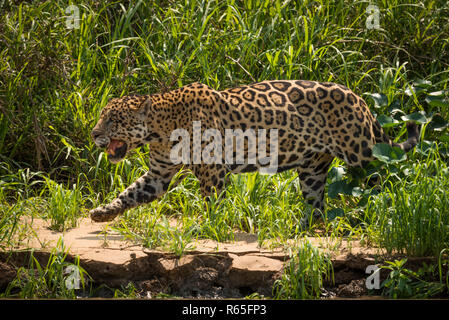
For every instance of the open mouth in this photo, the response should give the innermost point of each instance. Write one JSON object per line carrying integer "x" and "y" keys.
{"x": 116, "y": 149}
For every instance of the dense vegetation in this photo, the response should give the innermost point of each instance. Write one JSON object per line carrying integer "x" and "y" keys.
{"x": 56, "y": 74}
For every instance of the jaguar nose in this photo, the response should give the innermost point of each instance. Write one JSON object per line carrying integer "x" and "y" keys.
{"x": 95, "y": 134}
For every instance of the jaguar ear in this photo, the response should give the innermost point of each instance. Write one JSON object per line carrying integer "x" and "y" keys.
{"x": 145, "y": 107}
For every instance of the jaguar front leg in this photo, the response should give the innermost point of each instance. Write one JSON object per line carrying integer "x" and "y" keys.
{"x": 146, "y": 189}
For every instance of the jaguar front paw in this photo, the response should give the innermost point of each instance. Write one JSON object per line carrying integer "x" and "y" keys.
{"x": 102, "y": 214}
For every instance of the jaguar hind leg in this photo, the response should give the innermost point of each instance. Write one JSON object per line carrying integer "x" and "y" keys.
{"x": 212, "y": 178}
{"x": 312, "y": 177}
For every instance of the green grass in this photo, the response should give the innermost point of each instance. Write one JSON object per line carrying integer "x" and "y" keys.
{"x": 57, "y": 279}
{"x": 411, "y": 215}
{"x": 304, "y": 274}
{"x": 55, "y": 80}
{"x": 9, "y": 220}
{"x": 64, "y": 206}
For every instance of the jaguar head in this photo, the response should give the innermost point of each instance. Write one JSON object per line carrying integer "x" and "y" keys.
{"x": 122, "y": 126}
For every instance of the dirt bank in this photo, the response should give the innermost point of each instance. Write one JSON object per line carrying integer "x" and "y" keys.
{"x": 212, "y": 270}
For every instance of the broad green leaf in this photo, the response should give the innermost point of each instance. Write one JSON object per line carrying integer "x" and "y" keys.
{"x": 357, "y": 173}
{"x": 437, "y": 101}
{"x": 395, "y": 108}
{"x": 336, "y": 188}
{"x": 418, "y": 87}
{"x": 336, "y": 173}
{"x": 416, "y": 116}
{"x": 357, "y": 191}
{"x": 388, "y": 154}
{"x": 438, "y": 123}
{"x": 341, "y": 187}
{"x": 437, "y": 93}
{"x": 422, "y": 83}
{"x": 387, "y": 121}
{"x": 380, "y": 99}
{"x": 335, "y": 212}
{"x": 412, "y": 90}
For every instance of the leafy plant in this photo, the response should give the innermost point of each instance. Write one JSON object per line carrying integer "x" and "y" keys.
{"x": 405, "y": 283}
{"x": 128, "y": 292}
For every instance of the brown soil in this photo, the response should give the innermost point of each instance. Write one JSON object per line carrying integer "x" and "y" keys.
{"x": 213, "y": 270}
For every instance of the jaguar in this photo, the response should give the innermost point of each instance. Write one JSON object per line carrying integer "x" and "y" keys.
{"x": 314, "y": 122}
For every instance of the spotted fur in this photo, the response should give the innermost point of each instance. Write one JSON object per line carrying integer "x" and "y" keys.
{"x": 316, "y": 122}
